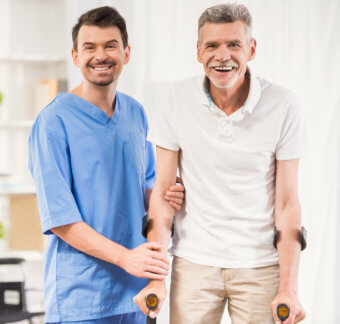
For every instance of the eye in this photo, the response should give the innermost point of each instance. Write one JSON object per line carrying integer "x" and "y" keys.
{"x": 234, "y": 45}
{"x": 88, "y": 48}
{"x": 211, "y": 46}
{"x": 111, "y": 46}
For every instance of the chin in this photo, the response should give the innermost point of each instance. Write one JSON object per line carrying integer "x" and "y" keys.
{"x": 222, "y": 85}
{"x": 101, "y": 83}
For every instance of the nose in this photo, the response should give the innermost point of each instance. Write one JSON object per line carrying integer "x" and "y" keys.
{"x": 223, "y": 54}
{"x": 100, "y": 54}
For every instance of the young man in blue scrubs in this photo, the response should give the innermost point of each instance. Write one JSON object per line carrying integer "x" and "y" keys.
{"x": 94, "y": 171}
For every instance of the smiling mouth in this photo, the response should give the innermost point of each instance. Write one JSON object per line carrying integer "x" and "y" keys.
{"x": 101, "y": 68}
{"x": 223, "y": 68}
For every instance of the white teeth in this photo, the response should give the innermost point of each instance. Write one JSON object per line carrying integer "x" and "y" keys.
{"x": 101, "y": 69}
{"x": 223, "y": 68}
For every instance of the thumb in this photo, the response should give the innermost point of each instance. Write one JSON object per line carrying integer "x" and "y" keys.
{"x": 275, "y": 316}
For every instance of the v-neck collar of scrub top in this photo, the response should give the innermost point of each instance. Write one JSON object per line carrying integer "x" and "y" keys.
{"x": 92, "y": 110}
{"x": 248, "y": 106}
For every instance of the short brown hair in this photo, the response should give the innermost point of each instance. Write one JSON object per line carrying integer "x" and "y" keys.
{"x": 102, "y": 17}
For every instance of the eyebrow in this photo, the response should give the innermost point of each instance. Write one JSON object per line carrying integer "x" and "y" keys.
{"x": 237, "y": 41}
{"x": 210, "y": 43}
{"x": 233, "y": 41}
{"x": 110, "y": 41}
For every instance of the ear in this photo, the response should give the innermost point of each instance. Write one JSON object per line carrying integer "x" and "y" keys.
{"x": 75, "y": 57}
{"x": 252, "y": 49}
{"x": 198, "y": 47}
{"x": 127, "y": 51}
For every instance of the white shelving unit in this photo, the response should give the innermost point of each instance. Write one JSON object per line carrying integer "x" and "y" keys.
{"x": 34, "y": 47}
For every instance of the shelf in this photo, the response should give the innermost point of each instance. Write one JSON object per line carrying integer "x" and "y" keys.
{"x": 29, "y": 255}
{"x": 9, "y": 190}
{"x": 16, "y": 124}
{"x": 33, "y": 58}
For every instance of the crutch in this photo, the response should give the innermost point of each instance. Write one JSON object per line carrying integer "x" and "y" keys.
{"x": 151, "y": 303}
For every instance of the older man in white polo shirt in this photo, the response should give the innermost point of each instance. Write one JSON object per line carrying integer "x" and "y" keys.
{"x": 238, "y": 139}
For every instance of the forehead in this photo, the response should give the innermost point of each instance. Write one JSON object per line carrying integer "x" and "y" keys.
{"x": 98, "y": 35}
{"x": 225, "y": 31}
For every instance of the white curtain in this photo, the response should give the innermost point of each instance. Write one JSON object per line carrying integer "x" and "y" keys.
{"x": 298, "y": 47}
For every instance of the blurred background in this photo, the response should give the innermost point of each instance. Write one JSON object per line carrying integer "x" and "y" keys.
{"x": 298, "y": 48}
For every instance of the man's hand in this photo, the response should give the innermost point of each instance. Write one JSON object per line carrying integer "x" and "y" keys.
{"x": 156, "y": 287}
{"x": 145, "y": 261}
{"x": 175, "y": 195}
{"x": 297, "y": 313}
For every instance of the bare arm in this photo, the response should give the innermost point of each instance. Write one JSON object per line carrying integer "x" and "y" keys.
{"x": 144, "y": 261}
{"x": 174, "y": 195}
{"x": 288, "y": 222}
{"x": 161, "y": 215}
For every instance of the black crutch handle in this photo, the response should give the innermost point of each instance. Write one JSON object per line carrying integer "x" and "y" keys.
{"x": 151, "y": 303}
{"x": 282, "y": 311}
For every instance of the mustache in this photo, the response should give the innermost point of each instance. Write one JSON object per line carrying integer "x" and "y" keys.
{"x": 226, "y": 64}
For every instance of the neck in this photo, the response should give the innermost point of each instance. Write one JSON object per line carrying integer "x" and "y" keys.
{"x": 101, "y": 96}
{"x": 230, "y": 99}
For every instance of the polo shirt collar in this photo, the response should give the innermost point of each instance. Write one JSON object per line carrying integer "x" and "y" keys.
{"x": 253, "y": 95}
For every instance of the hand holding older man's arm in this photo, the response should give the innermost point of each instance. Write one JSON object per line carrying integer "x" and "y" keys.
{"x": 288, "y": 222}
{"x": 161, "y": 218}
{"x": 144, "y": 261}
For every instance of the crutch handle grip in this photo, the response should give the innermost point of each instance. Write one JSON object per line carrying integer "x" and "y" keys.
{"x": 282, "y": 311}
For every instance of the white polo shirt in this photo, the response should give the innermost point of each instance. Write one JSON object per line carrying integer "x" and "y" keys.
{"x": 227, "y": 164}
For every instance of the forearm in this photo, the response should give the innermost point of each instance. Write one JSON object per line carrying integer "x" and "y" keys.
{"x": 289, "y": 247}
{"x": 161, "y": 218}
{"x": 84, "y": 238}
{"x": 161, "y": 213}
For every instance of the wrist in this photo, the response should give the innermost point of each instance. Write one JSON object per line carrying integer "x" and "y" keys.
{"x": 120, "y": 256}
{"x": 157, "y": 282}
{"x": 288, "y": 289}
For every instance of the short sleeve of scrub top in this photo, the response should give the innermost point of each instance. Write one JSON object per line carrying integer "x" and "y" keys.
{"x": 52, "y": 174}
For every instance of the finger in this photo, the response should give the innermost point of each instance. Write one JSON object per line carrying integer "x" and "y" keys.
{"x": 158, "y": 309}
{"x": 174, "y": 205}
{"x": 159, "y": 256}
{"x": 177, "y": 201}
{"x": 290, "y": 319}
{"x": 158, "y": 263}
{"x": 153, "y": 276}
{"x": 301, "y": 316}
{"x": 176, "y": 188}
{"x": 176, "y": 194}
{"x": 157, "y": 270}
{"x": 275, "y": 317}
{"x": 179, "y": 180}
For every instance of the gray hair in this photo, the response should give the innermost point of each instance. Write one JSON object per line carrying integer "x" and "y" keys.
{"x": 226, "y": 13}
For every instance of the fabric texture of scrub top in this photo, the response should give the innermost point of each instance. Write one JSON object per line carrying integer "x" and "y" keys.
{"x": 92, "y": 168}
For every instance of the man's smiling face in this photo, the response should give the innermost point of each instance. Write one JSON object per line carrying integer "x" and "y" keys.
{"x": 100, "y": 54}
{"x": 224, "y": 50}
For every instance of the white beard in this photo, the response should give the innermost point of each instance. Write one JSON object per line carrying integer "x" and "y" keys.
{"x": 226, "y": 86}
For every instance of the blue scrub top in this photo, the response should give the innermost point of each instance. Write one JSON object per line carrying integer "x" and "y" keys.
{"x": 92, "y": 168}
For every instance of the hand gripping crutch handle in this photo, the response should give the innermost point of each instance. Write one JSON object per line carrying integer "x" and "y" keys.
{"x": 282, "y": 311}
{"x": 151, "y": 303}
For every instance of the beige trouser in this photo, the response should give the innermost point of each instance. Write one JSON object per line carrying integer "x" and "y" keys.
{"x": 199, "y": 293}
